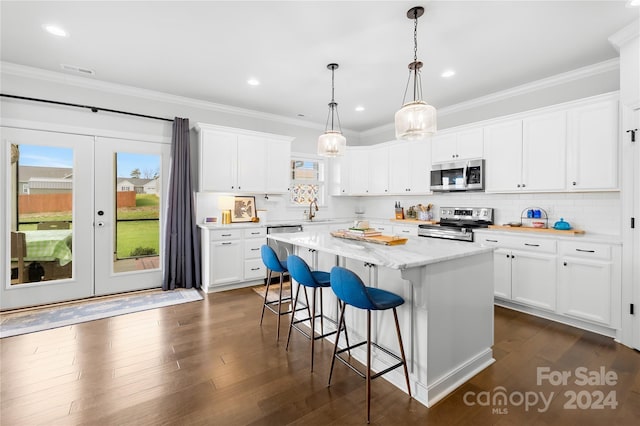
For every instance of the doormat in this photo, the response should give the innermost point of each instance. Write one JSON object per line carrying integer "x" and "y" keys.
{"x": 29, "y": 321}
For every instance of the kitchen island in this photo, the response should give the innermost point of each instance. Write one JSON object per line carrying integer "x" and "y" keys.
{"x": 447, "y": 320}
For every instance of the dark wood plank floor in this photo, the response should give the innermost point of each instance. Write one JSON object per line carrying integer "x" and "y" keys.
{"x": 210, "y": 363}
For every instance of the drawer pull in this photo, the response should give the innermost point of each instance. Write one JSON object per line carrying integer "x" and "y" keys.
{"x": 491, "y": 241}
{"x": 255, "y": 269}
{"x": 226, "y": 244}
{"x": 255, "y": 233}
{"x": 225, "y": 235}
{"x": 255, "y": 249}
{"x": 586, "y": 251}
{"x": 532, "y": 245}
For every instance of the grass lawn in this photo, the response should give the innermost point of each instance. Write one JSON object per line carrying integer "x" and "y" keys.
{"x": 134, "y": 234}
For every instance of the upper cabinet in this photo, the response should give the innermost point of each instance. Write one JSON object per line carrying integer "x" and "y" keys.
{"x": 409, "y": 167}
{"x": 379, "y": 166}
{"x": 235, "y": 160}
{"x": 593, "y": 146}
{"x": 461, "y": 145}
{"x": 560, "y": 149}
{"x": 544, "y": 140}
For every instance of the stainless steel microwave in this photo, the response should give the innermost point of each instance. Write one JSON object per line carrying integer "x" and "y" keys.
{"x": 464, "y": 175}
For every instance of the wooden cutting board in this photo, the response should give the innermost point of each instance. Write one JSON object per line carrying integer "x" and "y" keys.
{"x": 530, "y": 229}
{"x": 387, "y": 240}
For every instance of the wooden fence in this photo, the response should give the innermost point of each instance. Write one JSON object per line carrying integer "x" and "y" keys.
{"x": 62, "y": 202}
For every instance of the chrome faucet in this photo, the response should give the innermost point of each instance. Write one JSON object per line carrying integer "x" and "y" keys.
{"x": 311, "y": 214}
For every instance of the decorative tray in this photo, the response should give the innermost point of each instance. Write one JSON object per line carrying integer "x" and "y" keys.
{"x": 387, "y": 240}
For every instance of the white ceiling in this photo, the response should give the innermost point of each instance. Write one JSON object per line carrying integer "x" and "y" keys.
{"x": 207, "y": 50}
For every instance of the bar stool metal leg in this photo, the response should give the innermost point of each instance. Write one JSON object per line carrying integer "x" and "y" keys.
{"x": 266, "y": 292}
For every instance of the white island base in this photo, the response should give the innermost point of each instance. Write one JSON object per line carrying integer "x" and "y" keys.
{"x": 446, "y": 320}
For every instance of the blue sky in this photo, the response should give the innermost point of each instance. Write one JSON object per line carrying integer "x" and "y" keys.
{"x": 45, "y": 156}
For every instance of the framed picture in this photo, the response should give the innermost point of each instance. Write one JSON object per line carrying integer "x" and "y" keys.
{"x": 244, "y": 209}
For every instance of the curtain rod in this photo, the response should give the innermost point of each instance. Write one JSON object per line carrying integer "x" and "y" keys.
{"x": 92, "y": 108}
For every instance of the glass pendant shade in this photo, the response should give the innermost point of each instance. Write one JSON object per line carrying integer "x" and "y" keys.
{"x": 415, "y": 120}
{"x": 331, "y": 144}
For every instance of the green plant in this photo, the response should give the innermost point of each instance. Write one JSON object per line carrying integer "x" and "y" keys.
{"x": 142, "y": 251}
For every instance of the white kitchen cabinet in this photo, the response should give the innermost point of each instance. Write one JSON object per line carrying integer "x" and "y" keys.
{"x": 534, "y": 279}
{"x": 503, "y": 156}
{"x": 278, "y": 165}
{"x": 589, "y": 280}
{"x": 410, "y": 167}
{"x": 592, "y": 151}
{"x": 252, "y": 168}
{"x": 526, "y": 155}
{"x": 544, "y": 139}
{"x": 253, "y": 240}
{"x": 226, "y": 259}
{"x": 524, "y": 269}
{"x": 502, "y": 273}
{"x": 242, "y": 161}
{"x": 378, "y": 170}
{"x": 231, "y": 257}
{"x": 461, "y": 145}
{"x": 359, "y": 169}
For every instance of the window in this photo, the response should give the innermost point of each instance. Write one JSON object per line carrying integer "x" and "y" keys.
{"x": 307, "y": 181}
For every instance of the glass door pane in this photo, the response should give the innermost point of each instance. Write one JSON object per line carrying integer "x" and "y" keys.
{"x": 137, "y": 193}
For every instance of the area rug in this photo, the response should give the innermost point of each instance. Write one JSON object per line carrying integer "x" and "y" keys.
{"x": 28, "y": 321}
{"x": 274, "y": 289}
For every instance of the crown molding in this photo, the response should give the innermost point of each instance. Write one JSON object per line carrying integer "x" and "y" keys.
{"x": 558, "y": 79}
{"x": 625, "y": 35}
{"x": 88, "y": 83}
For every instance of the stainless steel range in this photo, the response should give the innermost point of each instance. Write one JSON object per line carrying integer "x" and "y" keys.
{"x": 457, "y": 223}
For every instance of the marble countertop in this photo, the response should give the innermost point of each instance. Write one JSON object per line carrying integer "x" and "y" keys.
{"x": 282, "y": 222}
{"x": 418, "y": 251}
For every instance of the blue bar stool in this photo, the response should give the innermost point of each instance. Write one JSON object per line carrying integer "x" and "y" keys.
{"x": 315, "y": 280}
{"x": 273, "y": 264}
{"x": 350, "y": 290}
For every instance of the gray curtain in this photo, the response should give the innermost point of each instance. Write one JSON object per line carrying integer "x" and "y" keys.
{"x": 182, "y": 243}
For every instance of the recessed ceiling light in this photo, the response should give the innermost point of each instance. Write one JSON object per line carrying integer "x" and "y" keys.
{"x": 253, "y": 82}
{"x": 55, "y": 30}
{"x": 633, "y": 3}
{"x": 448, "y": 73}
{"x": 359, "y": 108}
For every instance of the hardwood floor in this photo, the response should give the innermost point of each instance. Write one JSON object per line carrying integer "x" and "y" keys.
{"x": 210, "y": 363}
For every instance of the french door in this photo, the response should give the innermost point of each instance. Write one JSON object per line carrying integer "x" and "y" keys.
{"x": 81, "y": 216}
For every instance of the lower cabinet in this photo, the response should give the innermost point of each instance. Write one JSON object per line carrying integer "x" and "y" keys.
{"x": 526, "y": 276}
{"x": 231, "y": 258}
{"x": 588, "y": 276}
{"x": 570, "y": 281}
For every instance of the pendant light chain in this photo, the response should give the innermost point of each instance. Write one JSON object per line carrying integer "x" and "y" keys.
{"x": 415, "y": 56}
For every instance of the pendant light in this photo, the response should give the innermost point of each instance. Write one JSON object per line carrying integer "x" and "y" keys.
{"x": 416, "y": 119}
{"x": 331, "y": 143}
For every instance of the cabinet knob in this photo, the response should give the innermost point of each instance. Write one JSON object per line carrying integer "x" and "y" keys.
{"x": 564, "y": 263}
{"x": 518, "y": 185}
{"x": 573, "y": 183}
